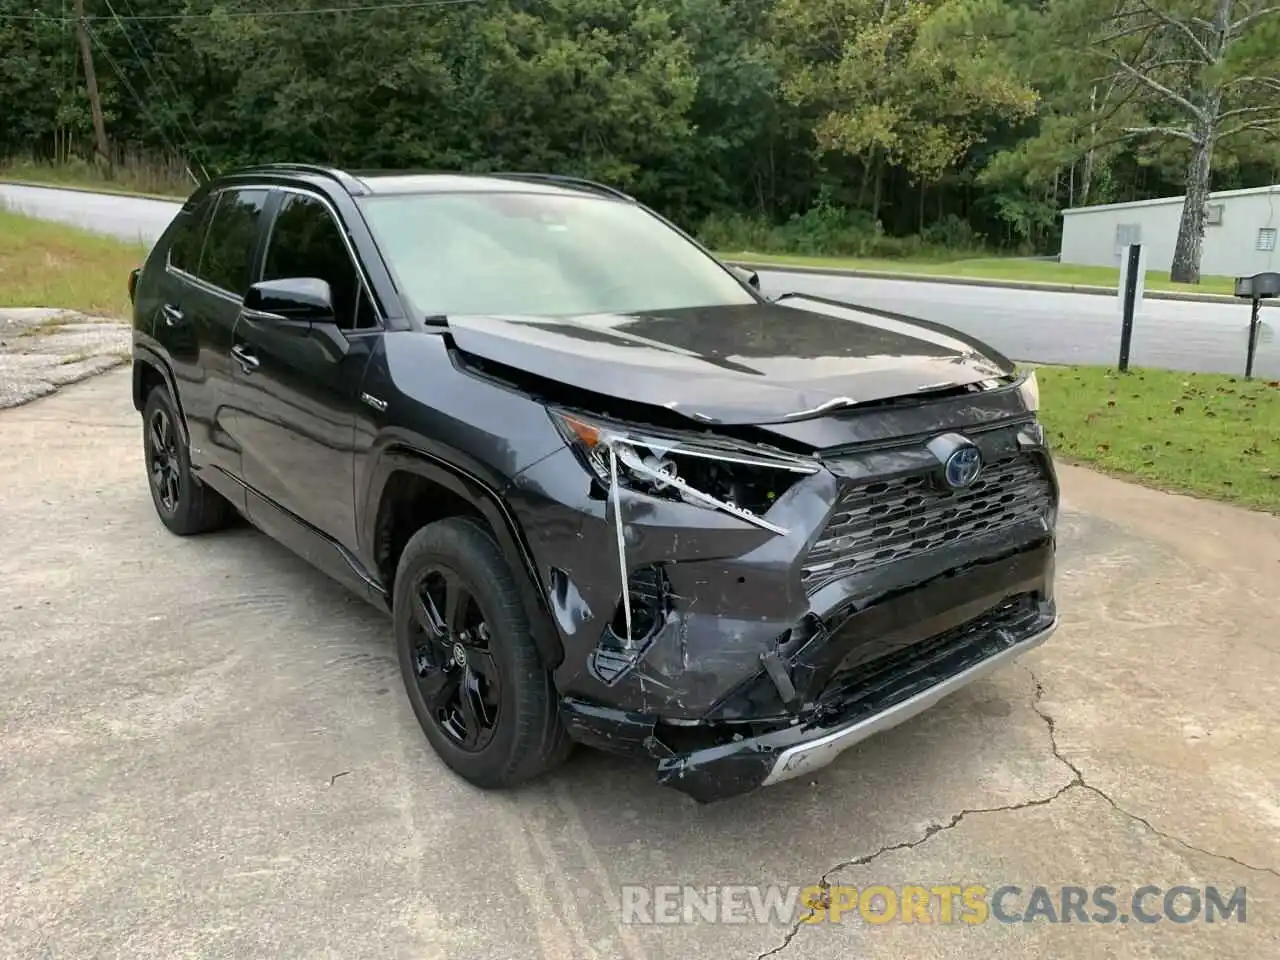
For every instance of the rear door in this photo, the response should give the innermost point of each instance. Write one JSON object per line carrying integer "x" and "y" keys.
{"x": 211, "y": 304}
{"x": 208, "y": 265}
{"x": 298, "y": 390}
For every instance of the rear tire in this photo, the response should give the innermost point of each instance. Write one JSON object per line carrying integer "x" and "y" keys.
{"x": 184, "y": 504}
{"x": 470, "y": 667}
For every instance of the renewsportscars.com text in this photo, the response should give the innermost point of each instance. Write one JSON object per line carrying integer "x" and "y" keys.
{"x": 966, "y": 904}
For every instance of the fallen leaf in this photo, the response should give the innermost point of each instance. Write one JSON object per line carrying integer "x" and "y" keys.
{"x": 1111, "y": 403}
{"x": 1104, "y": 447}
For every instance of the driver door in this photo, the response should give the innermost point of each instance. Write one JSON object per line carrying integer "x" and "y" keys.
{"x": 298, "y": 385}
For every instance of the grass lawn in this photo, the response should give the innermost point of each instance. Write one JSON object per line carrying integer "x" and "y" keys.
{"x": 1208, "y": 434}
{"x": 993, "y": 268}
{"x": 46, "y": 264}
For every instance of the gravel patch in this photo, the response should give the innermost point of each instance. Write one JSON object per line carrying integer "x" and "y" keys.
{"x": 42, "y": 349}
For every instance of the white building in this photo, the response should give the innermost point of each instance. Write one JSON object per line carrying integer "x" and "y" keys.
{"x": 1240, "y": 232}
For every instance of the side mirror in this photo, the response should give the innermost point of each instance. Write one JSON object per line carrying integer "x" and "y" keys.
{"x": 293, "y": 298}
{"x": 749, "y": 277}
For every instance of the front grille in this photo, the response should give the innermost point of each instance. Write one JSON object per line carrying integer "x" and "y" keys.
{"x": 891, "y": 520}
{"x": 905, "y": 672}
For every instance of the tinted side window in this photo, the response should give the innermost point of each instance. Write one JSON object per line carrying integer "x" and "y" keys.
{"x": 306, "y": 242}
{"x": 233, "y": 235}
{"x": 188, "y": 238}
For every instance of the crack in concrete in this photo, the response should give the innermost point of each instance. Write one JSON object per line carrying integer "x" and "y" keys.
{"x": 1084, "y": 784}
{"x": 1077, "y": 781}
{"x": 930, "y": 832}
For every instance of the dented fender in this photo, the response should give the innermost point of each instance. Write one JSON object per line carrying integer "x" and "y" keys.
{"x": 728, "y": 590}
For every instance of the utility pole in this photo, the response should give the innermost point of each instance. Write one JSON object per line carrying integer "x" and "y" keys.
{"x": 91, "y": 83}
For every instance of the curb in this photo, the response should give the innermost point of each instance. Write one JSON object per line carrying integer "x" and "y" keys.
{"x": 103, "y": 192}
{"x": 1218, "y": 298}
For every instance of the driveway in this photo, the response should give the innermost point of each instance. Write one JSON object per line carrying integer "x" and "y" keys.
{"x": 205, "y": 751}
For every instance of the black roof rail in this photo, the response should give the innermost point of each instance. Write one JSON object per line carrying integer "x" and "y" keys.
{"x": 567, "y": 181}
{"x": 350, "y": 183}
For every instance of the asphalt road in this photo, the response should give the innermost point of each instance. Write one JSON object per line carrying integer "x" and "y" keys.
{"x": 206, "y": 751}
{"x": 1025, "y": 325}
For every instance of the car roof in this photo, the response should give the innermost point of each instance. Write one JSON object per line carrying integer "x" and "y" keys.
{"x": 374, "y": 182}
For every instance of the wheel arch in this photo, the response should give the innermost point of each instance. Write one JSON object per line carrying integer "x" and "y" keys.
{"x": 449, "y": 491}
{"x": 149, "y": 371}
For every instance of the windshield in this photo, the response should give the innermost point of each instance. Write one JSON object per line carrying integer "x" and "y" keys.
{"x": 541, "y": 254}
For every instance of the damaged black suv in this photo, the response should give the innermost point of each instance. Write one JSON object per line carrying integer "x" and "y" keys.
{"x": 609, "y": 492}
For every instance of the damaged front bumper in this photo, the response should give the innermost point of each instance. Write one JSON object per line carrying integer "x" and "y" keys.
{"x": 891, "y": 699}
{"x": 818, "y": 747}
{"x": 988, "y": 618}
{"x": 746, "y": 656}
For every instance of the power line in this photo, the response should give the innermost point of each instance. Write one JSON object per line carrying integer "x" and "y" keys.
{"x": 155, "y": 54}
{"x": 303, "y": 12}
{"x": 177, "y": 122}
{"x": 124, "y": 81}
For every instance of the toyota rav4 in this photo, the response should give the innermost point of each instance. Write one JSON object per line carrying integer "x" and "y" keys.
{"x": 608, "y": 491}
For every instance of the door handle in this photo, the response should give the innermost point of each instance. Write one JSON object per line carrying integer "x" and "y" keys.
{"x": 172, "y": 315}
{"x": 248, "y": 362}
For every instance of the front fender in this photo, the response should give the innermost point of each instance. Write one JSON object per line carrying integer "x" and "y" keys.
{"x": 490, "y": 502}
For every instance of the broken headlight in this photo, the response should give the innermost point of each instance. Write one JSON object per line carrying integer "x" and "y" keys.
{"x": 1029, "y": 388}
{"x": 707, "y": 471}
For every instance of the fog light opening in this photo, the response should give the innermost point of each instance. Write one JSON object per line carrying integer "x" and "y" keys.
{"x": 649, "y": 594}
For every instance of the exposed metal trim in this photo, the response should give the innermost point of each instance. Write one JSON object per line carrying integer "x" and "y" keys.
{"x": 804, "y": 758}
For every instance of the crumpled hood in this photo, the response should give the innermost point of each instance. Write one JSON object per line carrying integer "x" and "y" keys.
{"x": 743, "y": 364}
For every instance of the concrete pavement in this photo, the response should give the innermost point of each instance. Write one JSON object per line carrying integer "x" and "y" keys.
{"x": 205, "y": 751}
{"x": 1024, "y": 324}
{"x": 43, "y": 349}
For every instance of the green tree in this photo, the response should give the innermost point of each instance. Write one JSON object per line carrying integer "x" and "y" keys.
{"x": 909, "y": 82}
{"x": 1197, "y": 72}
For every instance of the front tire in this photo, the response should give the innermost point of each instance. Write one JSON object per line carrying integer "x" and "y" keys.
{"x": 184, "y": 504}
{"x": 470, "y": 666}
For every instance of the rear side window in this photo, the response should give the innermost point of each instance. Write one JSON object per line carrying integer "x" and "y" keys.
{"x": 232, "y": 239}
{"x": 188, "y": 238}
{"x": 307, "y": 242}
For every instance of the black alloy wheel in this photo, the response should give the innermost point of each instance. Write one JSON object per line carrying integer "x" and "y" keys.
{"x": 476, "y": 682}
{"x": 457, "y": 674}
{"x": 184, "y": 504}
{"x": 164, "y": 465}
